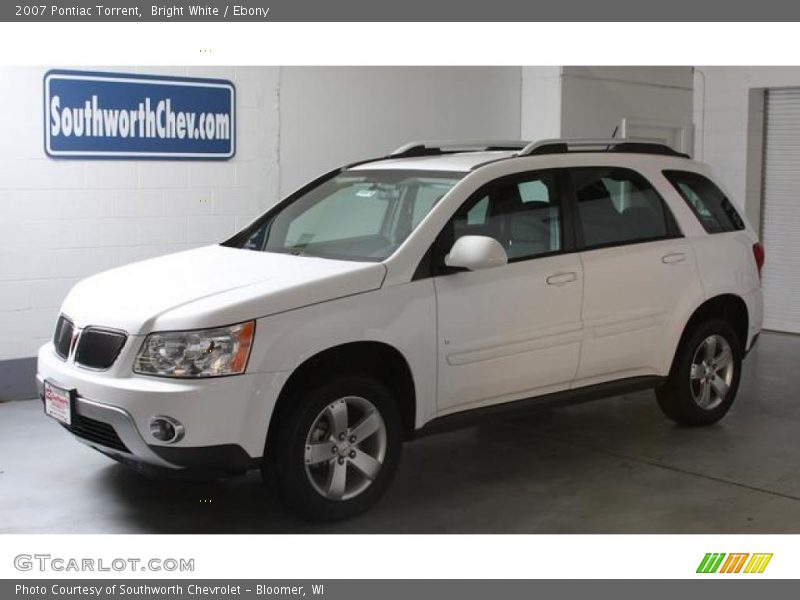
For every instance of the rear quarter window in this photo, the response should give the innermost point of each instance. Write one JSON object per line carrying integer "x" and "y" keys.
{"x": 708, "y": 203}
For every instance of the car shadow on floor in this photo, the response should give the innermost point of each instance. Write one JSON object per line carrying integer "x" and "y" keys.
{"x": 431, "y": 479}
{"x": 615, "y": 466}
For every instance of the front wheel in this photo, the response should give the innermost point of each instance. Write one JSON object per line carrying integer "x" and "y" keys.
{"x": 337, "y": 448}
{"x": 705, "y": 376}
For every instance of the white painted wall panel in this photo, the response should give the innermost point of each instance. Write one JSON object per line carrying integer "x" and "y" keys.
{"x": 596, "y": 99}
{"x": 541, "y": 103}
{"x": 333, "y": 115}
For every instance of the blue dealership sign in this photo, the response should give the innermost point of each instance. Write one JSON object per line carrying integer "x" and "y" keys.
{"x": 117, "y": 115}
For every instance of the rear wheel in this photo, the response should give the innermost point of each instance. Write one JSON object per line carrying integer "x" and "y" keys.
{"x": 337, "y": 449}
{"x": 705, "y": 376}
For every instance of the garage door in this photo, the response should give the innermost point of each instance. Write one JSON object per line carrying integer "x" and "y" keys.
{"x": 781, "y": 211}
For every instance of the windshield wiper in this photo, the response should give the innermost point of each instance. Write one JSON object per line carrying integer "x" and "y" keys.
{"x": 295, "y": 250}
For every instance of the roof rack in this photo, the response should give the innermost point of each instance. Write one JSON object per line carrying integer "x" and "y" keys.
{"x": 433, "y": 147}
{"x": 563, "y": 146}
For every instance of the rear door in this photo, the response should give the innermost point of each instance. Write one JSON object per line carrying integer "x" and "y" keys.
{"x": 638, "y": 271}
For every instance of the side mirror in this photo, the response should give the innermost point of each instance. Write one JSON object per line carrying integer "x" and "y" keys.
{"x": 476, "y": 252}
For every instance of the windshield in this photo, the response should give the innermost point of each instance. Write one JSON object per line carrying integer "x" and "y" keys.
{"x": 356, "y": 215}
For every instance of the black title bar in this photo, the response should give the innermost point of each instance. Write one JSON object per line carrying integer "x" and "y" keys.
{"x": 405, "y": 10}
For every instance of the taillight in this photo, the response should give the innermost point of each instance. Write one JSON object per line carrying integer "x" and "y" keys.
{"x": 758, "y": 254}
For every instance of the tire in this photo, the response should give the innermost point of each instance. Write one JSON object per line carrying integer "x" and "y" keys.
{"x": 317, "y": 466}
{"x": 700, "y": 389}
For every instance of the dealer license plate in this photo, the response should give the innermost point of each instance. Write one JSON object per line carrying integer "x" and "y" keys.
{"x": 58, "y": 403}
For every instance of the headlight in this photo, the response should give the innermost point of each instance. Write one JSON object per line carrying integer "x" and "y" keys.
{"x": 201, "y": 353}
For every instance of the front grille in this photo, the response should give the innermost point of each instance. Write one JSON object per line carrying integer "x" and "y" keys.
{"x": 63, "y": 336}
{"x": 99, "y": 348}
{"x": 97, "y": 432}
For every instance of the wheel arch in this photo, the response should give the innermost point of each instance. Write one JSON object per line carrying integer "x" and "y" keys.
{"x": 375, "y": 358}
{"x": 730, "y": 307}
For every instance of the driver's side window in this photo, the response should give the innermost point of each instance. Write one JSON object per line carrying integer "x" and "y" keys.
{"x": 523, "y": 214}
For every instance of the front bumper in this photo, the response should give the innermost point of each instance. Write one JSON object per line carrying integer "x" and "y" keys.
{"x": 112, "y": 431}
{"x": 123, "y": 441}
{"x": 225, "y": 419}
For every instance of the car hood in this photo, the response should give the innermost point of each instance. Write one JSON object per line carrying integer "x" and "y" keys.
{"x": 212, "y": 286}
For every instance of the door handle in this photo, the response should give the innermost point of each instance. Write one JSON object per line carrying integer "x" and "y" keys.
{"x": 562, "y": 278}
{"x": 673, "y": 258}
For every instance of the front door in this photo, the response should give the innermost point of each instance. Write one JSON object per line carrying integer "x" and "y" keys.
{"x": 514, "y": 331}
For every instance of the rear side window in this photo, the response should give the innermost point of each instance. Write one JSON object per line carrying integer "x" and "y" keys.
{"x": 618, "y": 206}
{"x": 709, "y": 204}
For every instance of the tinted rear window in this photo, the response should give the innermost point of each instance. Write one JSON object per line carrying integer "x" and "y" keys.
{"x": 709, "y": 204}
{"x": 617, "y": 206}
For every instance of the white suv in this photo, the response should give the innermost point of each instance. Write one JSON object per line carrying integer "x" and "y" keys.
{"x": 438, "y": 286}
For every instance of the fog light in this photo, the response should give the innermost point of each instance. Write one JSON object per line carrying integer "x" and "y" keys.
{"x": 166, "y": 429}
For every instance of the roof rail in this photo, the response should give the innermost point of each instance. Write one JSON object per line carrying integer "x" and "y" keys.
{"x": 432, "y": 147}
{"x": 563, "y": 146}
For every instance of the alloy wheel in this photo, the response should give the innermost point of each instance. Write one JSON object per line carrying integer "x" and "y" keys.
{"x": 711, "y": 372}
{"x": 345, "y": 448}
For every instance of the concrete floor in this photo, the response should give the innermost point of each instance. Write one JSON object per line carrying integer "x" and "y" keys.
{"x": 612, "y": 466}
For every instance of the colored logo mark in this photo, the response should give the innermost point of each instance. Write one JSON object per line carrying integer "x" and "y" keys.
{"x": 739, "y": 562}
